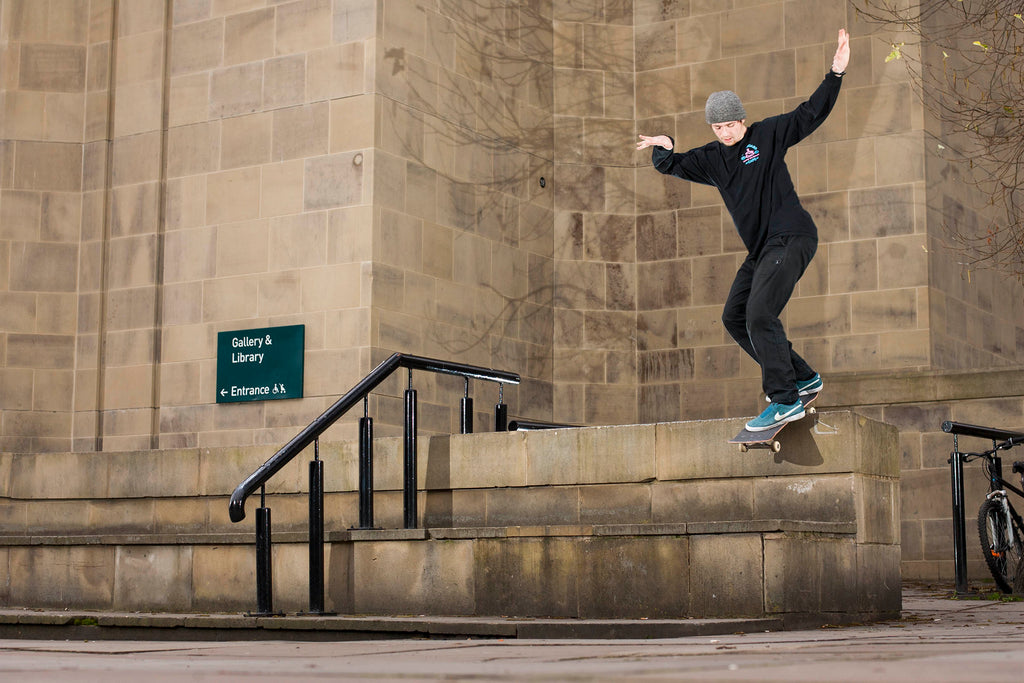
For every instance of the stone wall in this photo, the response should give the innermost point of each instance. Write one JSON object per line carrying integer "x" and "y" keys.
{"x": 595, "y": 241}
{"x": 45, "y": 93}
{"x": 269, "y": 163}
{"x": 977, "y": 314}
{"x": 176, "y": 168}
{"x": 462, "y": 199}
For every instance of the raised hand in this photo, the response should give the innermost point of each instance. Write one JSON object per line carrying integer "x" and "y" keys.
{"x": 656, "y": 140}
{"x": 842, "y": 56}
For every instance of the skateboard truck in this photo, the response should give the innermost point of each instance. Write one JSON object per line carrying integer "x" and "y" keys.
{"x": 774, "y": 445}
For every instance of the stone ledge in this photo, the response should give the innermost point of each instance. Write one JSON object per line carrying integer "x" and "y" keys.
{"x": 771, "y": 525}
{"x": 151, "y": 482}
{"x": 149, "y": 539}
{"x": 377, "y": 535}
{"x": 608, "y": 530}
{"x": 859, "y": 389}
{"x": 468, "y": 533}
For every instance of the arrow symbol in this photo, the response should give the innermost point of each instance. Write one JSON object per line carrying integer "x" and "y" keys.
{"x": 223, "y": 392}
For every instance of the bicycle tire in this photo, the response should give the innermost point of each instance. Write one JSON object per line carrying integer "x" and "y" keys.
{"x": 1005, "y": 561}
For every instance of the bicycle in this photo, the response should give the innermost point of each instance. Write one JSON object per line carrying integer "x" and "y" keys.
{"x": 1000, "y": 527}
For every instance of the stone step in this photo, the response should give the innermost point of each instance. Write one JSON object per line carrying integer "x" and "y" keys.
{"x": 91, "y": 625}
{"x": 664, "y": 473}
{"x": 698, "y": 570}
{"x": 610, "y": 522}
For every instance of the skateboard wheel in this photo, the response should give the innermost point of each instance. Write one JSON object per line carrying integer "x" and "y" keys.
{"x": 776, "y": 446}
{"x": 811, "y": 410}
{"x": 743, "y": 448}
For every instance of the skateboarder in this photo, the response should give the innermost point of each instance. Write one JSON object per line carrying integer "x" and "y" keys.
{"x": 747, "y": 165}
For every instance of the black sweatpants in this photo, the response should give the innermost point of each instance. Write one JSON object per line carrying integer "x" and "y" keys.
{"x": 761, "y": 290}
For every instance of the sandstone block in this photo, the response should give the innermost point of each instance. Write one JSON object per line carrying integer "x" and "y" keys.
{"x": 477, "y": 461}
{"x": 53, "y": 68}
{"x": 726, "y": 575}
{"x": 48, "y": 166}
{"x": 804, "y": 576}
{"x": 527, "y": 578}
{"x": 426, "y": 578}
{"x": 56, "y": 576}
{"x": 236, "y": 90}
{"x": 532, "y": 506}
{"x": 224, "y": 577}
{"x": 623, "y": 503}
{"x": 197, "y": 46}
{"x": 334, "y": 180}
{"x": 703, "y": 501}
{"x": 249, "y": 36}
{"x": 152, "y": 578}
{"x": 608, "y": 584}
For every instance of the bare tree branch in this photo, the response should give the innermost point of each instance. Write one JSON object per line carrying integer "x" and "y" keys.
{"x": 966, "y": 58}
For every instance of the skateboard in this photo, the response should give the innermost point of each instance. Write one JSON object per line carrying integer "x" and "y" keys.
{"x": 766, "y": 439}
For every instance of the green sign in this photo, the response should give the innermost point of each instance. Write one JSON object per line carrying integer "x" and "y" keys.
{"x": 261, "y": 364}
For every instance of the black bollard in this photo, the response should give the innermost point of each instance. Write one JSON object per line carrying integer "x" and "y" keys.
{"x": 366, "y": 472}
{"x": 264, "y": 569}
{"x": 316, "y": 534}
{"x": 410, "y": 459}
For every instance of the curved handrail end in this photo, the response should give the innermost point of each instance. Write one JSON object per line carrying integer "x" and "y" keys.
{"x": 236, "y": 509}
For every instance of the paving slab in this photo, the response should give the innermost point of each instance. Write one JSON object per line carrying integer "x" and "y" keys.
{"x": 938, "y": 639}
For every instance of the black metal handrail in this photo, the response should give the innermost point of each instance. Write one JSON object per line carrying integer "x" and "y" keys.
{"x": 236, "y": 508}
{"x": 311, "y": 435}
{"x": 537, "y": 425}
{"x": 964, "y": 429}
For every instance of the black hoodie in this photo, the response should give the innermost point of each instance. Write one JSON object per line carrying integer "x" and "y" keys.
{"x": 751, "y": 175}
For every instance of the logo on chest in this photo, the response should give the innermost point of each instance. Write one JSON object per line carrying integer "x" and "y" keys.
{"x": 750, "y": 155}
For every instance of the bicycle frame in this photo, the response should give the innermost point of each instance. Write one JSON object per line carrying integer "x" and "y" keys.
{"x": 995, "y": 472}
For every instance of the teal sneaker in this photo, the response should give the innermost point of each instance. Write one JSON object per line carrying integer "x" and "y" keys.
{"x": 810, "y": 386}
{"x": 805, "y": 388}
{"x": 775, "y": 415}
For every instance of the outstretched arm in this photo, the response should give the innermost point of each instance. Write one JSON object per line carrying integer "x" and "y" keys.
{"x": 687, "y": 165}
{"x": 842, "y": 56}
{"x": 805, "y": 119}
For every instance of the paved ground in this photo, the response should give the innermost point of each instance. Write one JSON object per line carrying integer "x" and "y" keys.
{"x": 938, "y": 640}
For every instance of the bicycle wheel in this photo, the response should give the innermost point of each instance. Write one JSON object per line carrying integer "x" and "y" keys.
{"x": 1016, "y": 566}
{"x": 1004, "y": 559}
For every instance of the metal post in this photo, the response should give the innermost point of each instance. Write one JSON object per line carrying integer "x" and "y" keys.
{"x": 956, "y": 465}
{"x": 365, "y": 469}
{"x": 466, "y": 413}
{"x": 410, "y": 456}
{"x": 264, "y": 577}
{"x": 501, "y": 411}
{"x": 316, "y": 531}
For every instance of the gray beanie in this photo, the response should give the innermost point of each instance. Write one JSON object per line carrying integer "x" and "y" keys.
{"x": 723, "y": 106}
